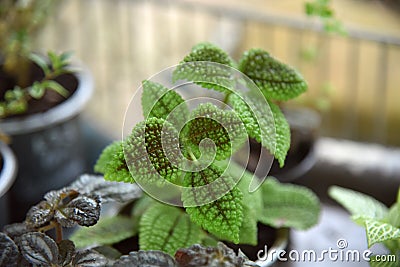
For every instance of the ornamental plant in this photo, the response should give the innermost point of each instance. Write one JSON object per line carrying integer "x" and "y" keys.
{"x": 382, "y": 224}
{"x": 181, "y": 156}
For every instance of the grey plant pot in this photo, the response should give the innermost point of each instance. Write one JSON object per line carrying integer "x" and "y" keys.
{"x": 7, "y": 177}
{"x": 49, "y": 147}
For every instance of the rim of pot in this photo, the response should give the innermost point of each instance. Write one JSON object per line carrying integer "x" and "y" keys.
{"x": 8, "y": 172}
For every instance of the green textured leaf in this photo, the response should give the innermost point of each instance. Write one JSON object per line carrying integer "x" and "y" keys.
{"x": 276, "y": 80}
{"x": 268, "y": 128}
{"x": 222, "y": 217}
{"x": 197, "y": 67}
{"x": 112, "y": 164}
{"x": 252, "y": 207}
{"x": 147, "y": 148}
{"x": 379, "y": 231}
{"x": 358, "y": 204}
{"x": 286, "y": 205}
{"x": 224, "y": 128}
{"x": 166, "y": 228}
{"x": 160, "y": 102}
{"x": 106, "y": 232}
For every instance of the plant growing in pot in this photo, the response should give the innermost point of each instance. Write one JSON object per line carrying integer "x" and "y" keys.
{"x": 181, "y": 156}
{"x": 382, "y": 224}
{"x": 40, "y": 100}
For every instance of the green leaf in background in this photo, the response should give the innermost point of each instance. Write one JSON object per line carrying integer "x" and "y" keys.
{"x": 160, "y": 102}
{"x": 286, "y": 205}
{"x": 147, "y": 148}
{"x": 223, "y": 217}
{"x": 55, "y": 86}
{"x": 194, "y": 67}
{"x": 107, "y": 231}
{"x": 167, "y": 228}
{"x": 358, "y": 204}
{"x": 276, "y": 80}
{"x": 112, "y": 164}
{"x": 41, "y": 62}
{"x": 393, "y": 217}
{"x": 282, "y": 134}
{"x": 224, "y": 128}
{"x": 379, "y": 231}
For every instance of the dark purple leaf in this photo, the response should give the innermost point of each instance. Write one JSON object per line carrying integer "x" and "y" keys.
{"x": 9, "y": 251}
{"x": 39, "y": 249}
{"x": 146, "y": 258}
{"x": 89, "y": 258}
{"x": 39, "y": 215}
{"x": 67, "y": 252}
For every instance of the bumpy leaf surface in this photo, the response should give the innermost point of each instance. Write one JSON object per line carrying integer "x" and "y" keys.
{"x": 358, "y": 204}
{"x": 112, "y": 164}
{"x": 147, "y": 259}
{"x": 160, "y": 102}
{"x": 107, "y": 231}
{"x": 286, "y": 205}
{"x": 276, "y": 80}
{"x": 107, "y": 191}
{"x": 167, "y": 228}
{"x": 259, "y": 121}
{"x": 39, "y": 249}
{"x": 379, "y": 231}
{"x": 197, "y": 67}
{"x": 222, "y": 217}
{"x": 66, "y": 250}
{"x": 89, "y": 258}
{"x": 9, "y": 251}
{"x": 223, "y": 128}
{"x": 147, "y": 148}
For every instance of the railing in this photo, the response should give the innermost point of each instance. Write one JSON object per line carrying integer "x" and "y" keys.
{"x": 124, "y": 42}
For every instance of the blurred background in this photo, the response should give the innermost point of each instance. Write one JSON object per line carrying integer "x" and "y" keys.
{"x": 353, "y": 79}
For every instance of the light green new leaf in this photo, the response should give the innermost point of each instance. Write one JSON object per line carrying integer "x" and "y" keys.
{"x": 223, "y": 217}
{"x": 112, "y": 165}
{"x": 198, "y": 67}
{"x": 147, "y": 148}
{"x": 167, "y": 228}
{"x": 276, "y": 80}
{"x": 269, "y": 128}
{"x": 393, "y": 216}
{"x": 358, "y": 204}
{"x": 286, "y": 205}
{"x": 378, "y": 231}
{"x": 106, "y": 232}
{"x": 224, "y": 128}
{"x": 160, "y": 102}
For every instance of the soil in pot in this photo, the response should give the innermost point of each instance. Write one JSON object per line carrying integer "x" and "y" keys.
{"x": 49, "y": 100}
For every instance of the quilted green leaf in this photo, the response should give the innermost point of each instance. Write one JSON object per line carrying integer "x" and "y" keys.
{"x": 286, "y": 205}
{"x": 160, "y": 102}
{"x": 167, "y": 228}
{"x": 198, "y": 67}
{"x": 106, "y": 232}
{"x": 112, "y": 165}
{"x": 252, "y": 207}
{"x": 224, "y": 128}
{"x": 223, "y": 217}
{"x": 276, "y": 80}
{"x": 379, "y": 231}
{"x": 358, "y": 204}
{"x": 147, "y": 148}
{"x": 269, "y": 128}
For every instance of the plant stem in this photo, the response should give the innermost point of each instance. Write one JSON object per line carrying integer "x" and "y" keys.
{"x": 59, "y": 232}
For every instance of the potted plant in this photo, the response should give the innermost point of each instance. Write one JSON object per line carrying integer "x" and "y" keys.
{"x": 180, "y": 156}
{"x": 8, "y": 171}
{"x": 382, "y": 224}
{"x": 40, "y": 100}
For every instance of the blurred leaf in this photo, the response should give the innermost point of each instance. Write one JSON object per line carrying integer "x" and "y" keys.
{"x": 146, "y": 259}
{"x": 55, "y": 86}
{"x": 287, "y": 205}
{"x": 67, "y": 252}
{"x": 41, "y": 62}
{"x": 166, "y": 228}
{"x": 39, "y": 249}
{"x": 9, "y": 251}
{"x": 107, "y": 231}
{"x": 36, "y": 91}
